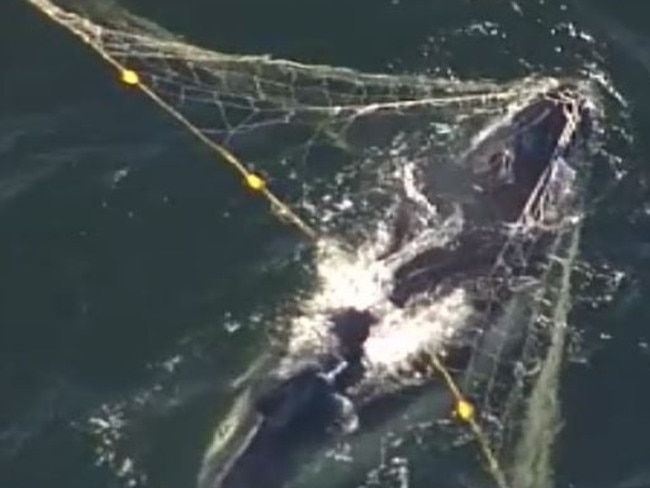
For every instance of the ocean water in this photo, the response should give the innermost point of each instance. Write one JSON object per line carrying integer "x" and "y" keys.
{"x": 136, "y": 275}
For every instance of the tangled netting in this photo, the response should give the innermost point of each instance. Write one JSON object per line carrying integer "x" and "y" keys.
{"x": 321, "y": 127}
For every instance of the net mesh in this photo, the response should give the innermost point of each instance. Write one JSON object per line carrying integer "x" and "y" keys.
{"x": 310, "y": 124}
{"x": 291, "y": 121}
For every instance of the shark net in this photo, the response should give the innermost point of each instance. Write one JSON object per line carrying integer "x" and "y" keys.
{"x": 333, "y": 149}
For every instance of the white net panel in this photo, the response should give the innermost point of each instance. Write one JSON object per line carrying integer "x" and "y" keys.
{"x": 309, "y": 125}
{"x": 283, "y": 118}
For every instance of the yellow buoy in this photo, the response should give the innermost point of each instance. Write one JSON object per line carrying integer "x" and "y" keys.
{"x": 465, "y": 410}
{"x": 254, "y": 182}
{"x": 130, "y": 77}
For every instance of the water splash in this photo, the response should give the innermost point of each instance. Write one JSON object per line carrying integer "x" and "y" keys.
{"x": 356, "y": 279}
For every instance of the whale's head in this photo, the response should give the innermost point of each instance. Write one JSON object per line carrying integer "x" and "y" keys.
{"x": 515, "y": 163}
{"x": 521, "y": 171}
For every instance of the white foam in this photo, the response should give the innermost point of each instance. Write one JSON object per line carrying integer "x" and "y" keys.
{"x": 403, "y": 333}
{"x": 357, "y": 279}
{"x": 345, "y": 279}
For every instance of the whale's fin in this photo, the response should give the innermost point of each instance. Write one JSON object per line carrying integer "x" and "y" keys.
{"x": 347, "y": 420}
{"x": 399, "y": 232}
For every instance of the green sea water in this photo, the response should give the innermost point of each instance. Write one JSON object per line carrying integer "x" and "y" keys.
{"x": 137, "y": 277}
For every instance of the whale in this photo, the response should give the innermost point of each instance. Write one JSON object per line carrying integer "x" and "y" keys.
{"x": 517, "y": 180}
